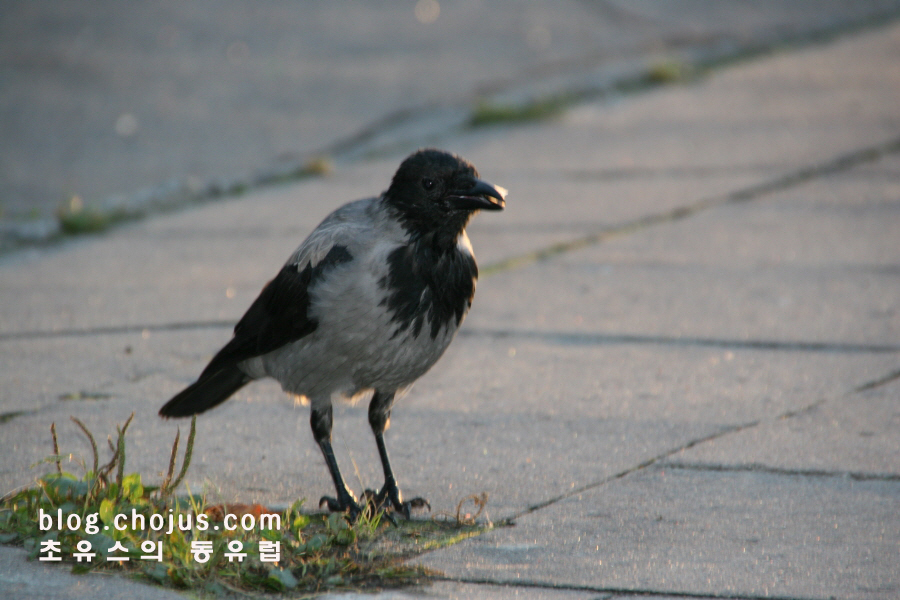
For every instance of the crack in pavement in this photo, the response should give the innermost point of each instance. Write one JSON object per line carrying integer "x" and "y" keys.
{"x": 559, "y": 337}
{"x": 687, "y": 171}
{"x": 599, "y": 339}
{"x": 660, "y": 459}
{"x": 626, "y": 472}
{"x": 769, "y": 470}
{"x": 10, "y": 415}
{"x": 38, "y": 334}
{"x": 618, "y": 592}
{"x": 877, "y": 383}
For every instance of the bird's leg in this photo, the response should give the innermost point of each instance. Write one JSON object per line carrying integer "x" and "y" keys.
{"x": 321, "y": 421}
{"x": 389, "y": 496}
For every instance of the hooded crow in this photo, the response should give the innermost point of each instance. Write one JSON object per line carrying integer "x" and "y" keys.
{"x": 368, "y": 302}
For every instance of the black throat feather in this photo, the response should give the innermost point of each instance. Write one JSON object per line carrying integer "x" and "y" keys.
{"x": 429, "y": 282}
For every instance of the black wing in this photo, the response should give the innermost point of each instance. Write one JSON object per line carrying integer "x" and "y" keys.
{"x": 279, "y": 316}
{"x": 276, "y": 317}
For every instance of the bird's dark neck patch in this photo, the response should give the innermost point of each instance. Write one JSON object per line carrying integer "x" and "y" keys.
{"x": 427, "y": 283}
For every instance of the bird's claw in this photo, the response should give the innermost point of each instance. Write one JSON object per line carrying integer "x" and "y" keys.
{"x": 389, "y": 500}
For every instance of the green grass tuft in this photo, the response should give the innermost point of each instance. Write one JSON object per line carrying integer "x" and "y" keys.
{"x": 317, "y": 552}
{"x": 670, "y": 71}
{"x": 77, "y": 218}
{"x": 316, "y": 167}
{"x": 489, "y": 113}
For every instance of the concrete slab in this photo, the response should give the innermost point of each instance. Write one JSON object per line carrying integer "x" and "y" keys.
{"x": 541, "y": 402}
{"x": 211, "y": 262}
{"x": 556, "y": 207}
{"x": 114, "y": 98}
{"x": 516, "y": 418}
{"x": 786, "y": 110}
{"x": 674, "y": 382}
{"x": 727, "y": 305}
{"x": 799, "y": 226}
{"x": 639, "y": 139}
{"x": 192, "y": 259}
{"x": 694, "y": 533}
{"x": 233, "y": 435}
{"x": 767, "y": 270}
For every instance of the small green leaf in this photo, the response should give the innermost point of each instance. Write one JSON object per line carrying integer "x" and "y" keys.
{"x": 107, "y": 511}
{"x": 300, "y": 523}
{"x": 345, "y": 537}
{"x": 132, "y": 489}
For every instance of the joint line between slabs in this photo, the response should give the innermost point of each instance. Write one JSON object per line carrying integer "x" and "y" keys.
{"x": 768, "y": 470}
{"x": 660, "y": 458}
{"x": 838, "y": 164}
{"x": 877, "y": 383}
{"x": 626, "y": 472}
{"x": 598, "y": 339}
{"x": 113, "y": 330}
{"x": 612, "y": 591}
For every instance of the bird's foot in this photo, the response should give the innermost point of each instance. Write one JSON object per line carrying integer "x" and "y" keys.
{"x": 345, "y": 503}
{"x": 390, "y": 500}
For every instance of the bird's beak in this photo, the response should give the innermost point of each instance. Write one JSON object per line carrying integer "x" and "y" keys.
{"x": 482, "y": 195}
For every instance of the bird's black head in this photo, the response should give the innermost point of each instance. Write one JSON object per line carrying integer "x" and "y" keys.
{"x": 435, "y": 192}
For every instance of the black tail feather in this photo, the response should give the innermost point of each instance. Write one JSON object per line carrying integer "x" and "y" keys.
{"x": 210, "y": 390}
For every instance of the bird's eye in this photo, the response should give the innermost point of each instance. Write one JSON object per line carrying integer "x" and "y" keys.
{"x": 428, "y": 184}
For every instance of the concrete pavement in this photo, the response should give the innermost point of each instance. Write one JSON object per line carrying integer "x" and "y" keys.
{"x": 137, "y": 107}
{"x": 680, "y": 376}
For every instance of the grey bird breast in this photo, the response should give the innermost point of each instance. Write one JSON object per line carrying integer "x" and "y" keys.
{"x": 367, "y": 337}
